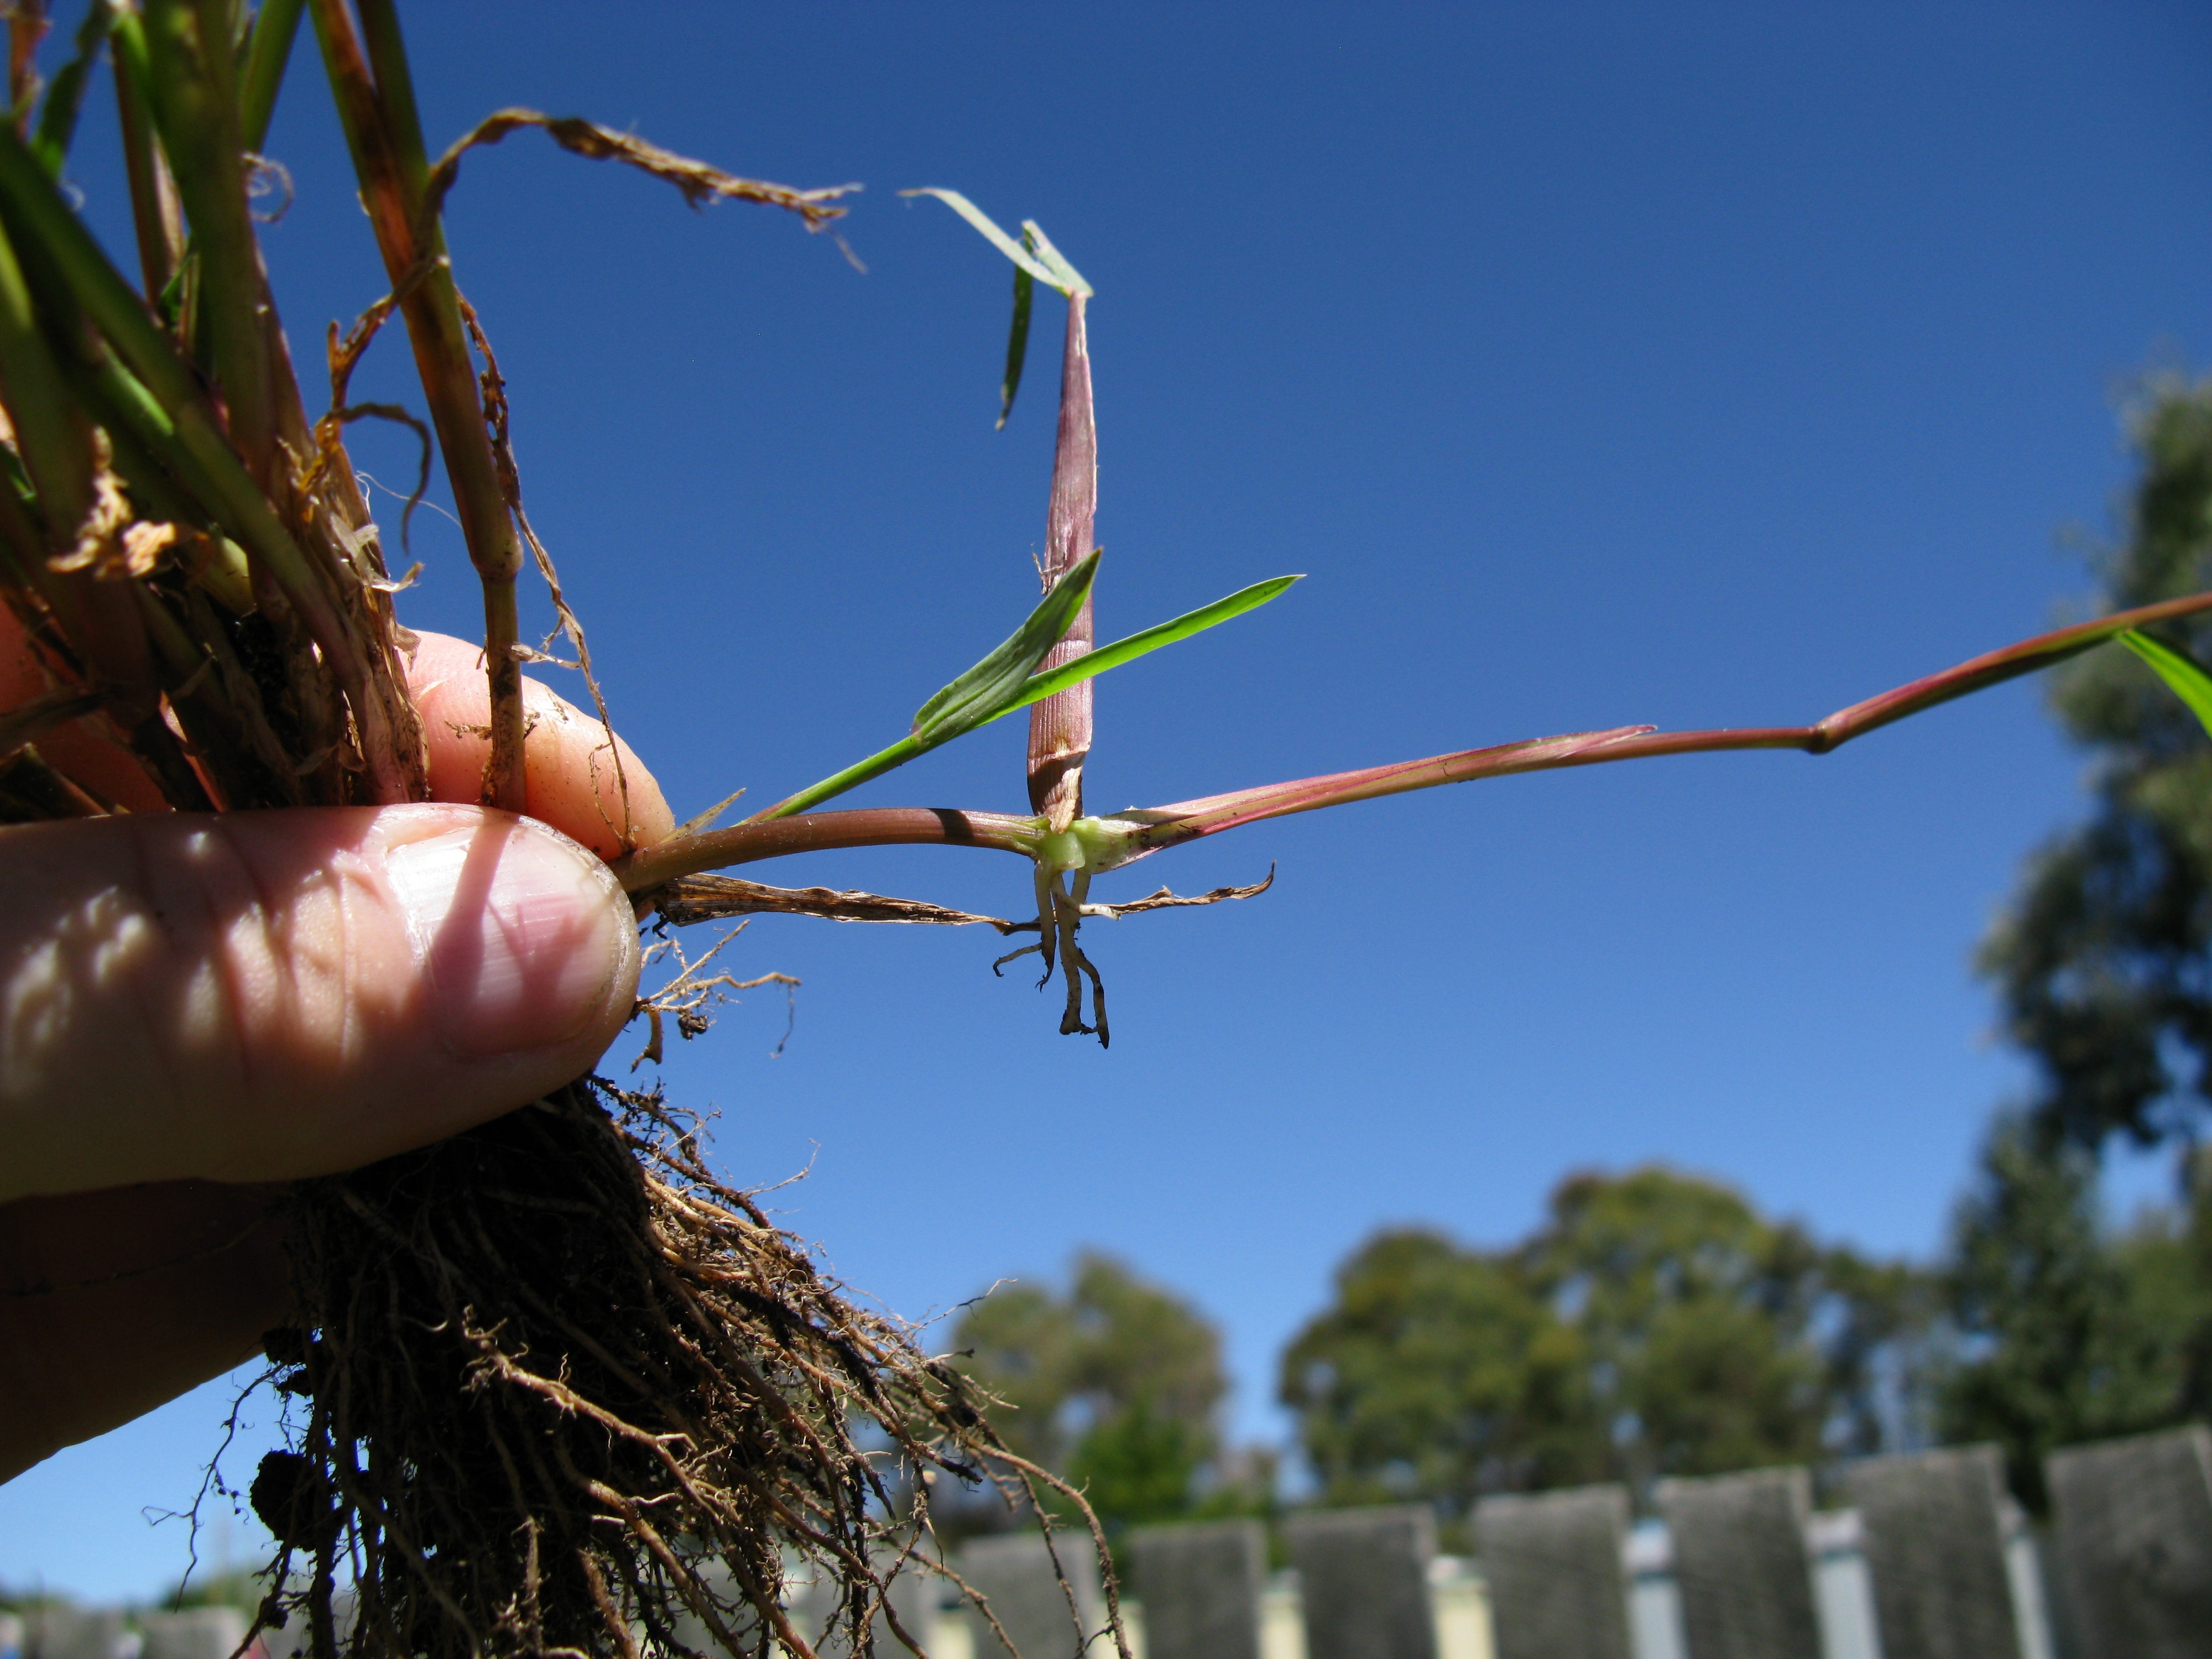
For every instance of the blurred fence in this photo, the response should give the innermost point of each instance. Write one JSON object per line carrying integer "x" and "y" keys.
{"x": 1926, "y": 1559}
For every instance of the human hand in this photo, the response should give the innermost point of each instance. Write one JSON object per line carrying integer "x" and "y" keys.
{"x": 193, "y": 1009}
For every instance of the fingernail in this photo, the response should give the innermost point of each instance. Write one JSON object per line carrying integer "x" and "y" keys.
{"x": 521, "y": 932}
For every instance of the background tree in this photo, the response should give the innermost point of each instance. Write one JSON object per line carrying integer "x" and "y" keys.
{"x": 2103, "y": 961}
{"x": 1116, "y": 1384}
{"x": 1655, "y": 1324}
{"x": 1717, "y": 1338}
{"x": 2068, "y": 1332}
{"x": 2066, "y": 1329}
{"x": 1438, "y": 1373}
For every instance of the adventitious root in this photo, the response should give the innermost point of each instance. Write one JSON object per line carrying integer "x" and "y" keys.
{"x": 1062, "y": 902}
{"x": 558, "y": 1390}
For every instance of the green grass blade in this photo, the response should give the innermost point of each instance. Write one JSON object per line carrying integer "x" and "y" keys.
{"x": 52, "y": 440}
{"x": 2183, "y": 674}
{"x": 195, "y": 107}
{"x": 156, "y": 217}
{"x": 275, "y": 27}
{"x": 1039, "y": 687}
{"x": 1070, "y": 279}
{"x": 981, "y": 693}
{"x": 30, "y": 201}
{"x": 977, "y": 696}
{"x": 851, "y": 778}
{"x": 1057, "y": 280}
{"x": 1018, "y": 344}
{"x": 57, "y": 117}
{"x": 192, "y": 446}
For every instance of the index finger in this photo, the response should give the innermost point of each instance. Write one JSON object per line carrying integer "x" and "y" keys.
{"x": 584, "y": 782}
{"x": 592, "y": 788}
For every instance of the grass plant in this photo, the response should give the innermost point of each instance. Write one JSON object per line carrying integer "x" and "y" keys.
{"x": 505, "y": 1448}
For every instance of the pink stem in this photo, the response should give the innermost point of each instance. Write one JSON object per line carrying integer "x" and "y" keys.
{"x": 1170, "y": 826}
{"x": 820, "y": 832}
{"x": 1060, "y": 727}
{"x": 1155, "y": 827}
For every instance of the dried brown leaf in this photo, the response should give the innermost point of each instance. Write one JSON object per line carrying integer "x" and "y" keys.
{"x": 699, "y": 182}
{"x": 691, "y": 899}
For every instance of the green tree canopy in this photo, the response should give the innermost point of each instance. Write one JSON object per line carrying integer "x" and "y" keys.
{"x": 1437, "y": 1372}
{"x": 2103, "y": 960}
{"x": 1655, "y": 1324}
{"x": 2067, "y": 1332}
{"x": 1717, "y": 1339}
{"x": 1116, "y": 1385}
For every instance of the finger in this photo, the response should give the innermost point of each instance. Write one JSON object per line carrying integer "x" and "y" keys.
{"x": 572, "y": 778}
{"x": 85, "y": 750}
{"x": 259, "y": 996}
{"x": 112, "y": 1302}
{"x": 593, "y": 790}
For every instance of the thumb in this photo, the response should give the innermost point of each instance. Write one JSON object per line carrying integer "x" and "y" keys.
{"x": 268, "y": 995}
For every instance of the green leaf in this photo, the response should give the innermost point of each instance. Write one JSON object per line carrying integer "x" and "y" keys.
{"x": 58, "y": 119}
{"x": 1070, "y": 279}
{"x": 851, "y": 778}
{"x": 1018, "y": 344}
{"x": 1039, "y": 687}
{"x": 1046, "y": 265}
{"x": 266, "y": 54}
{"x": 1005, "y": 680}
{"x": 978, "y": 695}
{"x": 981, "y": 693}
{"x": 2183, "y": 674}
{"x": 968, "y": 702}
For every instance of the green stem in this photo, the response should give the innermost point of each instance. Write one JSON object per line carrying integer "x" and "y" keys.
{"x": 40, "y": 217}
{"x": 194, "y": 450}
{"x": 275, "y": 27}
{"x": 377, "y": 110}
{"x": 156, "y": 216}
{"x": 52, "y": 439}
{"x": 195, "y": 104}
{"x": 160, "y": 468}
{"x": 395, "y": 91}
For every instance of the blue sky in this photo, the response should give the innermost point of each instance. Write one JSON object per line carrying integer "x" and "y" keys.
{"x": 1717, "y": 366}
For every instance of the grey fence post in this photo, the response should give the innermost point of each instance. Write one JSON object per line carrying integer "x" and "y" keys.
{"x": 1200, "y": 1588}
{"x": 193, "y": 1633}
{"x": 1932, "y": 1532}
{"x": 1015, "y": 1575}
{"x": 66, "y": 1632}
{"x": 1553, "y": 1565}
{"x": 2135, "y": 1542}
{"x": 915, "y": 1592}
{"x": 1363, "y": 1575}
{"x": 1740, "y": 1565}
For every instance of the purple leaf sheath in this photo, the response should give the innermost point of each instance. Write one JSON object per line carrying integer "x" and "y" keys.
{"x": 1060, "y": 727}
